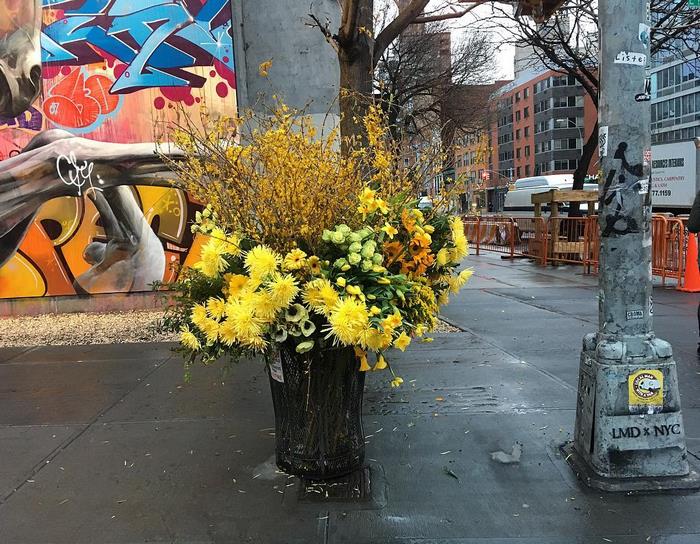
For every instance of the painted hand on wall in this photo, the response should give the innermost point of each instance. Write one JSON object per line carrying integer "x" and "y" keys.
{"x": 132, "y": 257}
{"x": 56, "y": 164}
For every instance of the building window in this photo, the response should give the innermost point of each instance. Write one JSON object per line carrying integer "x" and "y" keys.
{"x": 527, "y": 170}
{"x": 526, "y": 92}
{"x": 567, "y": 164}
{"x": 527, "y": 131}
{"x": 567, "y": 101}
{"x": 567, "y": 122}
{"x": 527, "y": 150}
{"x": 517, "y": 115}
{"x": 517, "y": 96}
{"x": 517, "y": 134}
{"x": 517, "y": 172}
{"x": 526, "y": 113}
{"x": 517, "y": 153}
{"x": 542, "y": 105}
{"x": 563, "y": 81}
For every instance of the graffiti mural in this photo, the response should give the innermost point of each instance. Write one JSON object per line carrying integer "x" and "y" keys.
{"x": 86, "y": 87}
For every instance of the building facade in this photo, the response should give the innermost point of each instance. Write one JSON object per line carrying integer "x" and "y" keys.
{"x": 539, "y": 124}
{"x": 675, "y": 99}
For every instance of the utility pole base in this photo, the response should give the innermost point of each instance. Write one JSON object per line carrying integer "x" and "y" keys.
{"x": 639, "y": 485}
{"x": 629, "y": 433}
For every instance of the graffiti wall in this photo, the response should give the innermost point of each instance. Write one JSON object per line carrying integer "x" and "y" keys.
{"x": 86, "y": 87}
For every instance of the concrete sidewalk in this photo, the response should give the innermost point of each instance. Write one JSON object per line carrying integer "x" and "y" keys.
{"x": 105, "y": 444}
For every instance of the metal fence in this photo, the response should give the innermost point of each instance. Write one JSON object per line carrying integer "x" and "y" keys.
{"x": 573, "y": 240}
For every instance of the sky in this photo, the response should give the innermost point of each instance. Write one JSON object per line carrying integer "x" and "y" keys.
{"x": 504, "y": 57}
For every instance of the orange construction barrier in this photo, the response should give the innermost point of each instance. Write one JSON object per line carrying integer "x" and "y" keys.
{"x": 692, "y": 274}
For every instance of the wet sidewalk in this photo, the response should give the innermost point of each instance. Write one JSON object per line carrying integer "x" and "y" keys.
{"x": 105, "y": 444}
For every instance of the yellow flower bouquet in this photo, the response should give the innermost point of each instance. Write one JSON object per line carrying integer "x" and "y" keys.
{"x": 309, "y": 255}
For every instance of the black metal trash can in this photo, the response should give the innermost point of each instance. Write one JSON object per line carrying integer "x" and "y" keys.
{"x": 317, "y": 398}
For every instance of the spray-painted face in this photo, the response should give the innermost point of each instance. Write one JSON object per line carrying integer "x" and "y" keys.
{"x": 20, "y": 55}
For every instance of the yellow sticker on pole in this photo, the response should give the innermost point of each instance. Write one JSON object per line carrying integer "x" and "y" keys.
{"x": 646, "y": 390}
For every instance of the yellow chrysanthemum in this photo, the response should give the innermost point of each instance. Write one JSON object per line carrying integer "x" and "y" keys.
{"x": 459, "y": 239}
{"x": 227, "y": 332}
{"x": 283, "y": 289}
{"x": 443, "y": 257}
{"x": 210, "y": 328}
{"x": 198, "y": 315}
{"x": 215, "y": 307}
{"x": 294, "y": 260}
{"x": 320, "y": 296}
{"x": 348, "y": 319}
{"x": 457, "y": 282}
{"x": 266, "y": 306}
{"x": 189, "y": 340}
{"x": 236, "y": 283}
{"x": 245, "y": 323}
{"x": 262, "y": 261}
{"x": 212, "y": 261}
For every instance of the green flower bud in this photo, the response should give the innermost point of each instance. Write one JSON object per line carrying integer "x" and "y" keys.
{"x": 340, "y": 263}
{"x": 337, "y": 237}
{"x": 344, "y": 229}
{"x": 355, "y": 247}
{"x": 378, "y": 258}
{"x": 366, "y": 266}
{"x": 354, "y": 258}
{"x": 354, "y": 237}
{"x": 368, "y": 249}
{"x": 326, "y": 236}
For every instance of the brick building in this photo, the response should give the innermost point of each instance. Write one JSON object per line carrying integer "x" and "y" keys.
{"x": 538, "y": 125}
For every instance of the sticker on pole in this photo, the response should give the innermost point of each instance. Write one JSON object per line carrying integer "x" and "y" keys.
{"x": 630, "y": 57}
{"x": 603, "y": 141}
{"x": 644, "y": 34}
{"x": 276, "y": 372}
{"x": 643, "y": 185}
{"x": 646, "y": 391}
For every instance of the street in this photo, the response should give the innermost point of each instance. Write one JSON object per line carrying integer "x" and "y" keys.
{"x": 107, "y": 444}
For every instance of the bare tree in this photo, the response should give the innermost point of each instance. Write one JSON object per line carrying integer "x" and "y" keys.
{"x": 423, "y": 79}
{"x": 568, "y": 43}
{"x": 359, "y": 50}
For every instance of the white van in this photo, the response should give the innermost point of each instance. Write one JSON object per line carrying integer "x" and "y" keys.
{"x": 518, "y": 199}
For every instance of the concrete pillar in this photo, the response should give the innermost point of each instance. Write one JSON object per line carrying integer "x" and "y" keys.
{"x": 305, "y": 71}
{"x": 629, "y": 432}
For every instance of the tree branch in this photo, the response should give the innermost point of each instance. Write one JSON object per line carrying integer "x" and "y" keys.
{"x": 348, "y": 23}
{"x": 397, "y": 26}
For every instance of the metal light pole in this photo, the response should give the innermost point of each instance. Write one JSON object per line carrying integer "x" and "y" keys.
{"x": 629, "y": 432}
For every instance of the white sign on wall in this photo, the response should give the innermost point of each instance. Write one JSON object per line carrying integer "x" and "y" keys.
{"x": 673, "y": 174}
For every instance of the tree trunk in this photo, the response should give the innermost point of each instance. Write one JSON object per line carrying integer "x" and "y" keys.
{"x": 355, "y": 55}
{"x": 582, "y": 171}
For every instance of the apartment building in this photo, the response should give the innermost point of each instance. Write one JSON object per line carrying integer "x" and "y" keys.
{"x": 539, "y": 124}
{"x": 675, "y": 99}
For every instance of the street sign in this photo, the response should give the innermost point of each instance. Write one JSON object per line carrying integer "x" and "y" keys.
{"x": 694, "y": 3}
